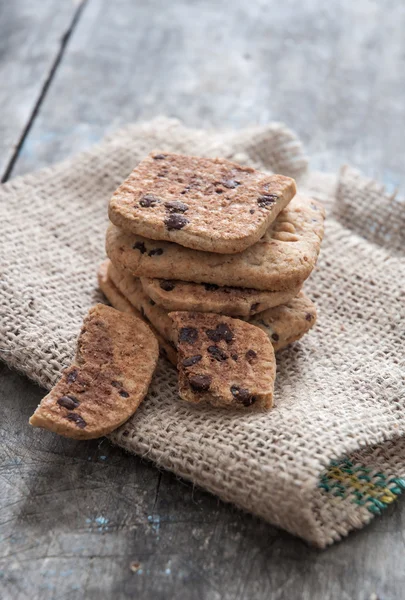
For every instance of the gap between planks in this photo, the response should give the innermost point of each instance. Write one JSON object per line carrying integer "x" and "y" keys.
{"x": 58, "y": 58}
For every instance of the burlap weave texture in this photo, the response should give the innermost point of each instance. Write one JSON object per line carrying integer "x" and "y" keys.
{"x": 340, "y": 392}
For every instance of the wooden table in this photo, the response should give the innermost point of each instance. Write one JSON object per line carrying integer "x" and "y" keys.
{"x": 86, "y": 520}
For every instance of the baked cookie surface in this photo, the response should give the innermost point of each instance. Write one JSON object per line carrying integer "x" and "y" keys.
{"x": 208, "y": 204}
{"x": 288, "y": 322}
{"x": 281, "y": 260}
{"x": 120, "y": 302}
{"x": 283, "y": 324}
{"x": 112, "y": 293}
{"x": 131, "y": 288}
{"x": 176, "y": 295}
{"x": 223, "y": 361}
{"x": 115, "y": 360}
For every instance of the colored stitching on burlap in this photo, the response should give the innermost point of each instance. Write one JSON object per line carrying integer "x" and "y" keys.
{"x": 375, "y": 491}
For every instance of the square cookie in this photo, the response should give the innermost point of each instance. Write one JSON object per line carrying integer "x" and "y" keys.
{"x": 281, "y": 260}
{"x": 223, "y": 361}
{"x": 283, "y": 324}
{"x": 208, "y": 204}
{"x": 173, "y": 295}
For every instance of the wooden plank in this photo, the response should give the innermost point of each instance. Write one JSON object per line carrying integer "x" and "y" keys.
{"x": 32, "y": 35}
{"x": 336, "y": 77}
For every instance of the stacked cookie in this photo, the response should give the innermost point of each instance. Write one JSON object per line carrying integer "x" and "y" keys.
{"x": 225, "y": 243}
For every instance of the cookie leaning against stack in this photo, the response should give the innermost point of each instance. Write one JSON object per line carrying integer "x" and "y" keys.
{"x": 203, "y": 236}
{"x": 115, "y": 360}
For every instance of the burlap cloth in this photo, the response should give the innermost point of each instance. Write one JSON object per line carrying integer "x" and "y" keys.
{"x": 331, "y": 454}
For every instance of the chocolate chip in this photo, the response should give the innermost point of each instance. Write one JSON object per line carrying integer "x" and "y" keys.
{"x": 152, "y": 302}
{"x": 219, "y": 191}
{"x": 69, "y": 402}
{"x": 217, "y": 353}
{"x": 200, "y": 383}
{"x": 230, "y": 183}
{"x": 275, "y": 337}
{"x": 250, "y": 355}
{"x": 167, "y": 285}
{"x": 254, "y": 307}
{"x": 139, "y": 246}
{"x": 121, "y": 392}
{"x": 176, "y": 221}
{"x": 252, "y": 211}
{"x": 221, "y": 332}
{"x": 159, "y": 156}
{"x": 155, "y": 252}
{"x": 268, "y": 200}
{"x": 309, "y": 317}
{"x": 242, "y": 395}
{"x": 149, "y": 200}
{"x": 210, "y": 287}
{"x": 80, "y": 422}
{"x": 191, "y": 360}
{"x": 234, "y": 356}
{"x": 226, "y": 333}
{"x": 176, "y": 207}
{"x": 71, "y": 378}
{"x": 188, "y": 335}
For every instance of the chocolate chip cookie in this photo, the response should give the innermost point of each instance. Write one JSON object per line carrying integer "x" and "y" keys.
{"x": 131, "y": 288}
{"x": 175, "y": 295}
{"x": 281, "y": 260}
{"x": 223, "y": 361}
{"x": 208, "y": 204}
{"x": 120, "y": 302}
{"x": 116, "y": 357}
{"x": 283, "y": 324}
{"x": 287, "y": 323}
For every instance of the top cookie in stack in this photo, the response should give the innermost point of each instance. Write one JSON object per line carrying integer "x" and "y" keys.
{"x": 208, "y": 235}
{"x": 206, "y": 204}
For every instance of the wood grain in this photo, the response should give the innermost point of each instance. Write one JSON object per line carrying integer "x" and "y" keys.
{"x": 335, "y": 76}
{"x": 74, "y": 516}
{"x": 32, "y": 34}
